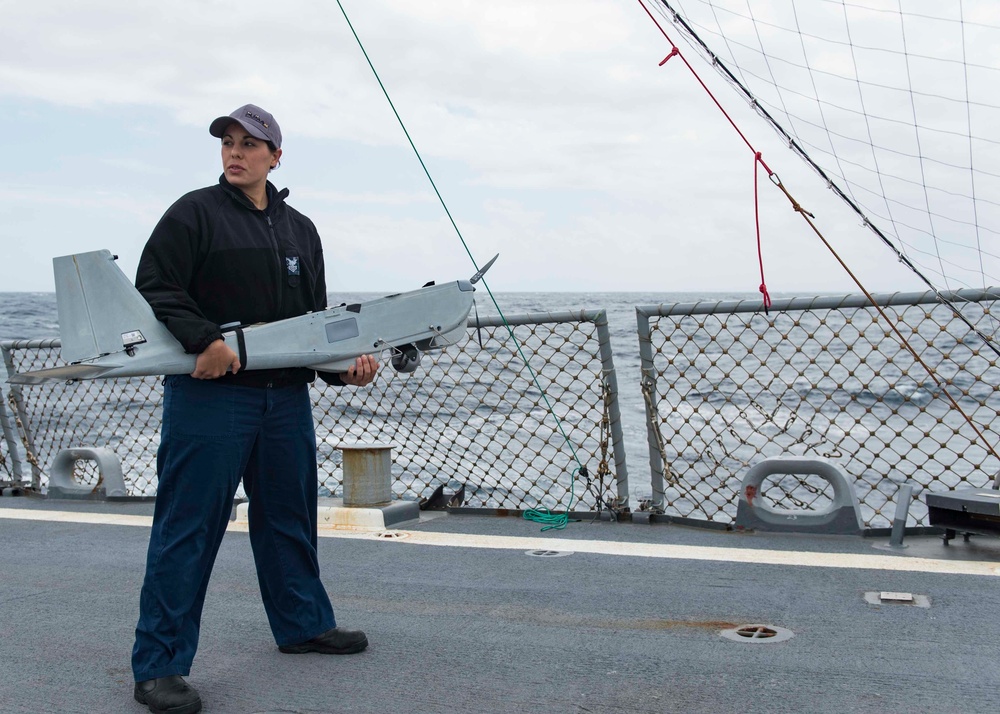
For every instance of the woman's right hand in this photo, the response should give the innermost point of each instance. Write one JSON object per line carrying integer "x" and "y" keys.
{"x": 216, "y": 359}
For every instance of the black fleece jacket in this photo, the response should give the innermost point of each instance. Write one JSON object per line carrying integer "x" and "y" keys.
{"x": 215, "y": 258}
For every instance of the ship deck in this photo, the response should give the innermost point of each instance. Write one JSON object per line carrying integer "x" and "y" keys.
{"x": 624, "y": 617}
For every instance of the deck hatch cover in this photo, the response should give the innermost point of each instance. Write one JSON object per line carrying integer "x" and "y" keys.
{"x": 886, "y": 597}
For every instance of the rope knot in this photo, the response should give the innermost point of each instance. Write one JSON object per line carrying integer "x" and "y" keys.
{"x": 673, "y": 53}
{"x": 799, "y": 209}
{"x": 767, "y": 297}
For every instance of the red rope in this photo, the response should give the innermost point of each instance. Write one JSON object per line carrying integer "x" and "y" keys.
{"x": 757, "y": 158}
{"x": 756, "y": 215}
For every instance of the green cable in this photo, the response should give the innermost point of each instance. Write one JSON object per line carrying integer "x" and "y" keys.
{"x": 554, "y": 520}
{"x": 548, "y": 518}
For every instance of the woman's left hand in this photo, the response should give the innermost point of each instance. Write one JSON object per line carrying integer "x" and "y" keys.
{"x": 362, "y": 373}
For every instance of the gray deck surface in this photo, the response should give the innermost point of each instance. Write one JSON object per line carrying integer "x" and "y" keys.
{"x": 460, "y": 629}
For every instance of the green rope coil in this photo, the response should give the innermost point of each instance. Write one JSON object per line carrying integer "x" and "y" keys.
{"x": 554, "y": 520}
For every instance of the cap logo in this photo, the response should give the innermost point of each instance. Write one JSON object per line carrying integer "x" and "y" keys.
{"x": 257, "y": 118}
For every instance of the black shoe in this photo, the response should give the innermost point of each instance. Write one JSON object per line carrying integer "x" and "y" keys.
{"x": 335, "y": 641}
{"x": 168, "y": 695}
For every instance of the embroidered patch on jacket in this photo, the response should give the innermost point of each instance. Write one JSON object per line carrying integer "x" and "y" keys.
{"x": 293, "y": 265}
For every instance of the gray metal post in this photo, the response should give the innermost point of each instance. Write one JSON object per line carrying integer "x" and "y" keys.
{"x": 10, "y": 439}
{"x": 903, "y": 498}
{"x": 367, "y": 474}
{"x": 18, "y": 402}
{"x": 614, "y": 411}
{"x": 9, "y": 430}
{"x": 649, "y": 400}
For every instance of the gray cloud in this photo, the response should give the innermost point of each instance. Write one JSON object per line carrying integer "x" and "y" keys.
{"x": 555, "y": 136}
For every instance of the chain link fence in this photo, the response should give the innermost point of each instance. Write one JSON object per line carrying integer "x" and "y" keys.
{"x": 121, "y": 414}
{"x": 474, "y": 415}
{"x": 727, "y": 386}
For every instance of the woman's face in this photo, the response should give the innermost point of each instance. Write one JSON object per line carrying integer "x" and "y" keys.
{"x": 246, "y": 159}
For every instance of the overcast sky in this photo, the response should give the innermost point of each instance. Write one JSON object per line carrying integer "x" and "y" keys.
{"x": 550, "y": 129}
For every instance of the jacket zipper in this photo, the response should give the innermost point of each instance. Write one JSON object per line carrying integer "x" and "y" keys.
{"x": 277, "y": 257}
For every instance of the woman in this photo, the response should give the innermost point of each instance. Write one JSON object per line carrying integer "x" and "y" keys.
{"x": 234, "y": 253}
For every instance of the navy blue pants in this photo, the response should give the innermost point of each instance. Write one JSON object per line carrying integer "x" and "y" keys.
{"x": 212, "y": 436}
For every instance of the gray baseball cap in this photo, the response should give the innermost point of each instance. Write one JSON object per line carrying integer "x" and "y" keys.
{"x": 256, "y": 121}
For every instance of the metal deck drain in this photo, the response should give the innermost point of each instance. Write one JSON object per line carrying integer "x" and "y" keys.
{"x": 548, "y": 553}
{"x": 757, "y": 634}
{"x": 391, "y": 535}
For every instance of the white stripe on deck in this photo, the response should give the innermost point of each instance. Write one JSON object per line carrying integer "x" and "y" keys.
{"x": 854, "y": 561}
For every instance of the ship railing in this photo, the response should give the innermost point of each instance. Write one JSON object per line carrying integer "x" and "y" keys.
{"x": 724, "y": 385}
{"x": 727, "y": 385}
{"x": 509, "y": 420}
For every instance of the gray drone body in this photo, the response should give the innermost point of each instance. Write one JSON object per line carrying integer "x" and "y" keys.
{"x": 107, "y": 328}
